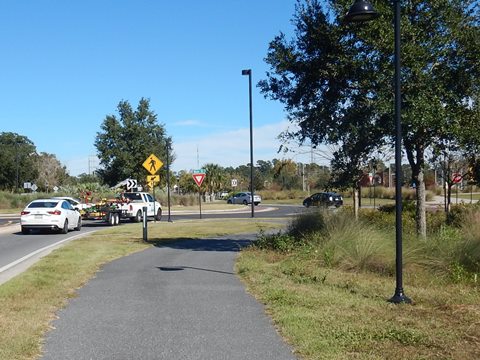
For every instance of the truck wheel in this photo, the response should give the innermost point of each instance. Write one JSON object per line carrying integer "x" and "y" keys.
{"x": 117, "y": 219}
{"x": 138, "y": 217}
{"x": 158, "y": 217}
{"x": 111, "y": 219}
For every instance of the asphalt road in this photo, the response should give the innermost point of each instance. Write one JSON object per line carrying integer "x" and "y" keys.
{"x": 178, "y": 301}
{"x": 18, "y": 251}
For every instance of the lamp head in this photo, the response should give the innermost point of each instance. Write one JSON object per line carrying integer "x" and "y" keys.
{"x": 247, "y": 72}
{"x": 361, "y": 11}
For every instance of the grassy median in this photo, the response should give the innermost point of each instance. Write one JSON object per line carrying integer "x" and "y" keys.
{"x": 29, "y": 301}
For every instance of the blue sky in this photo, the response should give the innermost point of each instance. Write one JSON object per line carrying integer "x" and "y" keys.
{"x": 65, "y": 65}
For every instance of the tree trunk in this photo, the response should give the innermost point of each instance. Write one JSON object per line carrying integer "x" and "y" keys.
{"x": 359, "y": 187}
{"x": 420, "y": 216}
{"x": 417, "y": 164}
{"x": 449, "y": 197}
{"x": 355, "y": 202}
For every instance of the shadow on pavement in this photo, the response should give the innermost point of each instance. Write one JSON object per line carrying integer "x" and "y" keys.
{"x": 233, "y": 243}
{"x": 180, "y": 268}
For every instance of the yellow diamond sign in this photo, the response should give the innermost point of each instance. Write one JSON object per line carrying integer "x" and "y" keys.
{"x": 152, "y": 164}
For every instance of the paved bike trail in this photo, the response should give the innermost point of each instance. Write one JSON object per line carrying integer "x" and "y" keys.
{"x": 180, "y": 300}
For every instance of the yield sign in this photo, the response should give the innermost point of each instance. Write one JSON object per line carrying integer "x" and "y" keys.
{"x": 198, "y": 178}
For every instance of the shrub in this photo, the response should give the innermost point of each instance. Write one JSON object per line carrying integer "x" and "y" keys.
{"x": 468, "y": 251}
{"x": 461, "y": 213}
{"x": 280, "y": 241}
{"x": 308, "y": 223}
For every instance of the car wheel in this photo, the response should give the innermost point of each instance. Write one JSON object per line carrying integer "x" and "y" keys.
{"x": 245, "y": 202}
{"x": 25, "y": 231}
{"x": 117, "y": 219}
{"x": 138, "y": 217}
{"x": 65, "y": 227}
{"x": 158, "y": 217}
{"x": 79, "y": 224}
{"x": 256, "y": 204}
{"x": 229, "y": 201}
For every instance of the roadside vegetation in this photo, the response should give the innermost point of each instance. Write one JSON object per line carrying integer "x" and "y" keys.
{"x": 14, "y": 202}
{"x": 326, "y": 280}
{"x": 29, "y": 301}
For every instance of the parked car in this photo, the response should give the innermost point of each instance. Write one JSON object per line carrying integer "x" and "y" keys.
{"x": 52, "y": 214}
{"x": 324, "y": 199}
{"x": 244, "y": 198}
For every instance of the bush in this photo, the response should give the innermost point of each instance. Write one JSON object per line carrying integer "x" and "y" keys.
{"x": 461, "y": 213}
{"x": 468, "y": 251}
{"x": 308, "y": 223}
{"x": 282, "y": 242}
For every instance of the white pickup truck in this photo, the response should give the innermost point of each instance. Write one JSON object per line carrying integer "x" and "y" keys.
{"x": 135, "y": 201}
{"x": 128, "y": 205}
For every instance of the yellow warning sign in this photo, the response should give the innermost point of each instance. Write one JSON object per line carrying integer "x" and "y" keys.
{"x": 152, "y": 164}
{"x": 153, "y": 179}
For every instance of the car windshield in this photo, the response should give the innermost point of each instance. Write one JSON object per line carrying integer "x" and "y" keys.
{"x": 43, "y": 204}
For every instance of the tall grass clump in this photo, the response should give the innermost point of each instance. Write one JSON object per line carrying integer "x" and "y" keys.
{"x": 357, "y": 246}
{"x": 300, "y": 232}
{"x": 336, "y": 239}
{"x": 467, "y": 252}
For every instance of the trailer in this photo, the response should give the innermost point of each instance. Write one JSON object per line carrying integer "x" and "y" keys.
{"x": 127, "y": 205}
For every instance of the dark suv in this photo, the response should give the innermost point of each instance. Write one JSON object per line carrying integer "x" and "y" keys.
{"x": 324, "y": 199}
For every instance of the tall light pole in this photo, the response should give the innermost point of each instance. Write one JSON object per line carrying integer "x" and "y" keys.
{"x": 249, "y": 73}
{"x": 362, "y": 11}
{"x": 167, "y": 148}
{"x": 17, "y": 169}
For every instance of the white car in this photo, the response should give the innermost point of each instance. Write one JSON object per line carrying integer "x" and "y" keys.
{"x": 77, "y": 204}
{"x": 52, "y": 214}
{"x": 244, "y": 198}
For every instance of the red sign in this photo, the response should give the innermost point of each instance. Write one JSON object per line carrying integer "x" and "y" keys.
{"x": 198, "y": 178}
{"x": 456, "y": 178}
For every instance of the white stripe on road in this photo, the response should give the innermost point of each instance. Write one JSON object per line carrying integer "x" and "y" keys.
{"x": 36, "y": 252}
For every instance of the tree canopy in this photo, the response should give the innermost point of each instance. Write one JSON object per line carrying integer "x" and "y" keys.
{"x": 17, "y": 161}
{"x": 335, "y": 79}
{"x": 126, "y": 140}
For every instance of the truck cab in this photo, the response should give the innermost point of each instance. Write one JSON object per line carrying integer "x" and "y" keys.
{"x": 135, "y": 201}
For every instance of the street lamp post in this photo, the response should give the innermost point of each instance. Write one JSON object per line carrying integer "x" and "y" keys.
{"x": 17, "y": 166}
{"x": 362, "y": 11}
{"x": 249, "y": 73}
{"x": 168, "y": 144}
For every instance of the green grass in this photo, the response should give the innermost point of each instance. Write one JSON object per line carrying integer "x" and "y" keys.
{"x": 326, "y": 282}
{"x": 465, "y": 196}
{"x": 29, "y": 301}
{"x": 333, "y": 314}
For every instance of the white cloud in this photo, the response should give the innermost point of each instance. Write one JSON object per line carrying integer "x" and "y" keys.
{"x": 231, "y": 148}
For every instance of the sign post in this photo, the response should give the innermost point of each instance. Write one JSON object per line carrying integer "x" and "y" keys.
{"x": 199, "y": 176}
{"x": 145, "y": 234}
{"x": 152, "y": 164}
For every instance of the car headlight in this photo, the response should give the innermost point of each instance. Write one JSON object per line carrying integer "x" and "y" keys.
{"x": 330, "y": 198}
